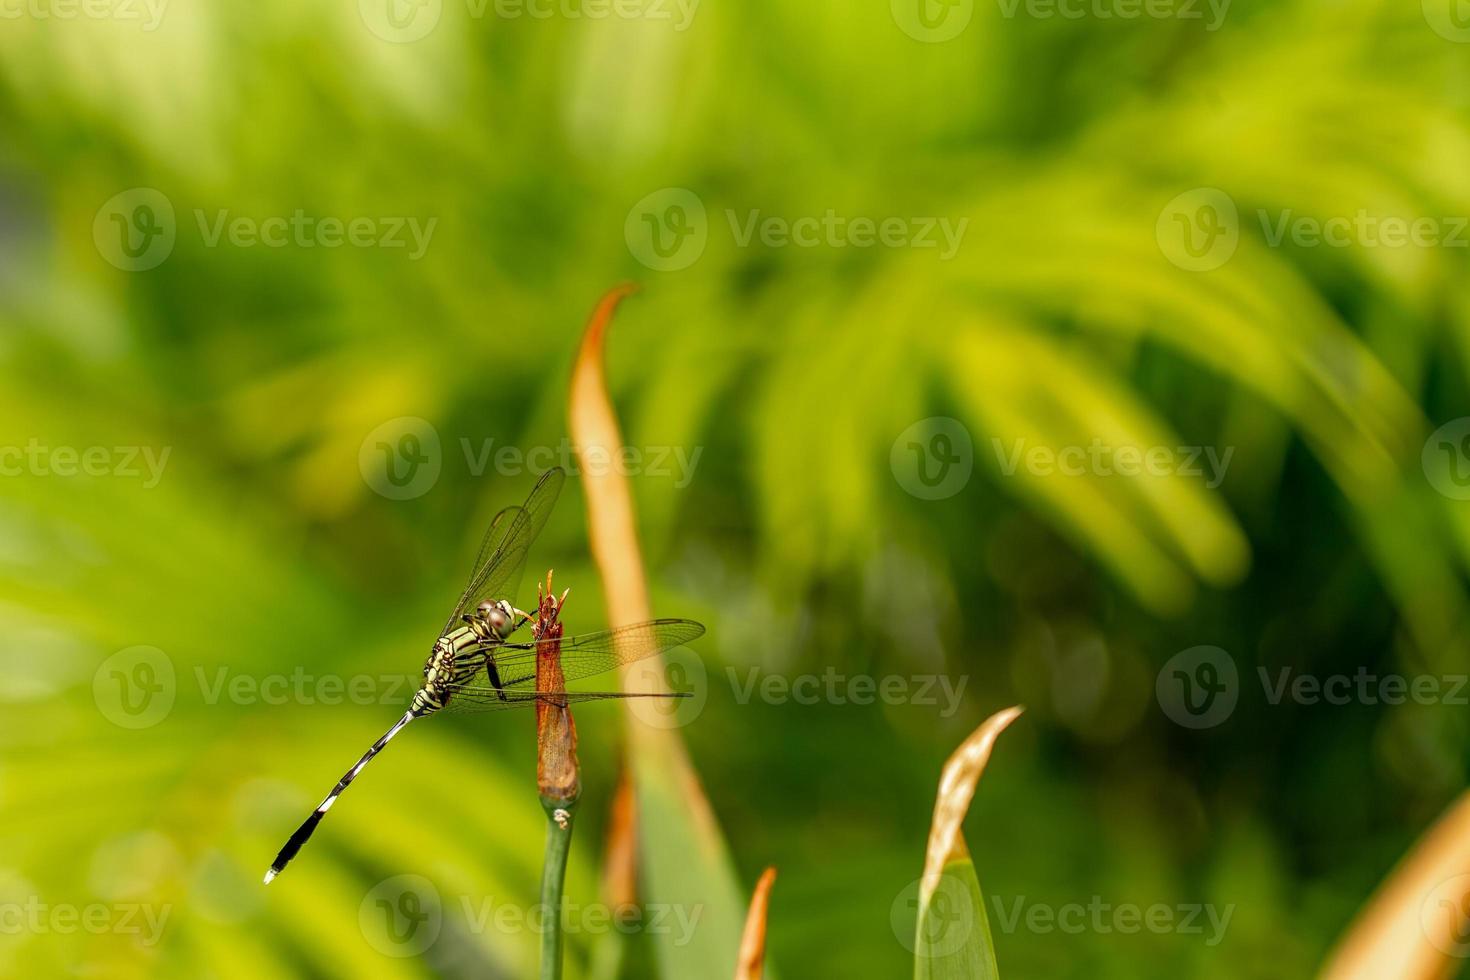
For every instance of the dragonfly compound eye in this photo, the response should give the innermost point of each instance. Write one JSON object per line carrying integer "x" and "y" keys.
{"x": 497, "y": 615}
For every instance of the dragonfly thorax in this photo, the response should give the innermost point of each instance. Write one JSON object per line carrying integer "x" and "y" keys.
{"x": 445, "y": 664}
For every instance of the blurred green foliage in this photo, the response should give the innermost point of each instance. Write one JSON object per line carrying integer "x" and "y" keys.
{"x": 1060, "y": 321}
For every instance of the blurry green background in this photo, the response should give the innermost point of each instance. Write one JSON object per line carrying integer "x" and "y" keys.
{"x": 1066, "y": 316}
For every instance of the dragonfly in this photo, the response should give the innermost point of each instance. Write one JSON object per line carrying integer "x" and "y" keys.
{"x": 476, "y": 664}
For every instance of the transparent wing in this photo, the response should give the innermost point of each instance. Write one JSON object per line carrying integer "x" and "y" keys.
{"x": 476, "y": 701}
{"x": 497, "y": 569}
{"x": 585, "y": 655}
{"x": 490, "y": 545}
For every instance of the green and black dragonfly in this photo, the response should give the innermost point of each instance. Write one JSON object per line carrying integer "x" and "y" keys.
{"x": 475, "y": 665}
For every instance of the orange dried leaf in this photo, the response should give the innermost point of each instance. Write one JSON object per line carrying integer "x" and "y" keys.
{"x": 620, "y": 866}
{"x": 1415, "y": 927}
{"x": 753, "y": 942}
{"x": 681, "y": 851}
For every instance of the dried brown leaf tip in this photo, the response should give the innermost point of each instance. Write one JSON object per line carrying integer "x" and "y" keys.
{"x": 956, "y": 790}
{"x": 753, "y": 942}
{"x": 558, "y": 775}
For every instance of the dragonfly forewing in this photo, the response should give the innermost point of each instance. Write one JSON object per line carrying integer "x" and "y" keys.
{"x": 497, "y": 570}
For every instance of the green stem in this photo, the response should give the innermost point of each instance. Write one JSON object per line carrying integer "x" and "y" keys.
{"x": 559, "y": 818}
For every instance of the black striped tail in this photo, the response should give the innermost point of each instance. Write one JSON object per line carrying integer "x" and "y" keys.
{"x": 302, "y": 835}
{"x": 308, "y": 827}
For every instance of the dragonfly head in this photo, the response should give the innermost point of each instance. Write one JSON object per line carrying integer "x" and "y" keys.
{"x": 500, "y": 615}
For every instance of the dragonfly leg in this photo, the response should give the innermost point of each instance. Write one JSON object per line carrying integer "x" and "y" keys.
{"x": 493, "y": 673}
